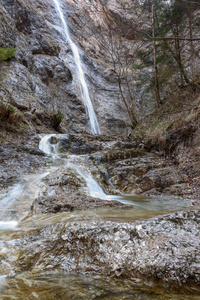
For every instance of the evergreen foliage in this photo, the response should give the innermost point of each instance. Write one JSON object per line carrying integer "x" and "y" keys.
{"x": 152, "y": 46}
{"x": 173, "y": 33}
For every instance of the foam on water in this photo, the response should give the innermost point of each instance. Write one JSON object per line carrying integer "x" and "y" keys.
{"x": 8, "y": 225}
{"x": 2, "y": 278}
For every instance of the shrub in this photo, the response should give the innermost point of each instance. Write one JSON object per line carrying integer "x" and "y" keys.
{"x": 7, "y": 53}
{"x": 57, "y": 119}
{"x": 8, "y": 113}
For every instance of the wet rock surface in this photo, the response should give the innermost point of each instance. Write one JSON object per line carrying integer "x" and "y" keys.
{"x": 51, "y": 285}
{"x": 18, "y": 159}
{"x": 76, "y": 144}
{"x": 162, "y": 249}
{"x": 64, "y": 202}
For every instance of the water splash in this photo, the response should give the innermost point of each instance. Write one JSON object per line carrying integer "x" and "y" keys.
{"x": 15, "y": 204}
{"x": 47, "y": 147}
{"x": 84, "y": 89}
{"x": 8, "y": 225}
{"x": 2, "y": 279}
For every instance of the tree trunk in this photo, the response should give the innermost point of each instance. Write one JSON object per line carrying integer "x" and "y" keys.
{"x": 179, "y": 58}
{"x": 129, "y": 110}
{"x": 157, "y": 90}
{"x": 191, "y": 42}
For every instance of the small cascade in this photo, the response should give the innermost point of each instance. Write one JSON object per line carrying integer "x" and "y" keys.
{"x": 48, "y": 147}
{"x": 77, "y": 59}
{"x": 15, "y": 204}
{"x": 8, "y": 225}
{"x": 6, "y": 203}
{"x": 93, "y": 189}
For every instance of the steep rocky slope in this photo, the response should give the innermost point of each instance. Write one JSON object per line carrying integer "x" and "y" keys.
{"x": 42, "y": 76}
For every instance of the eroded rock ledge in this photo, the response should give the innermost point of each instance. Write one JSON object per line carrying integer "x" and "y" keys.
{"x": 162, "y": 249}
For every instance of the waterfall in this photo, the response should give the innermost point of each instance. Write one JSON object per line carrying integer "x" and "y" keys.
{"x": 48, "y": 147}
{"x": 77, "y": 59}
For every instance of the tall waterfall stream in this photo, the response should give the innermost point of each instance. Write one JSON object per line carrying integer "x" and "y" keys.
{"x": 77, "y": 59}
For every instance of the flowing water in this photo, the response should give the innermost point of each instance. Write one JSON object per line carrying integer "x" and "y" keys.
{"x": 62, "y": 286}
{"x": 77, "y": 59}
{"x": 79, "y": 164}
{"x": 15, "y": 204}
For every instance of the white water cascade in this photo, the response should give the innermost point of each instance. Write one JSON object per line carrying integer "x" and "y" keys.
{"x": 94, "y": 190}
{"x": 77, "y": 59}
{"x": 15, "y": 204}
{"x": 47, "y": 147}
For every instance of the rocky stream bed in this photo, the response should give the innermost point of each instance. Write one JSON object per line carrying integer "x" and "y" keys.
{"x": 145, "y": 245}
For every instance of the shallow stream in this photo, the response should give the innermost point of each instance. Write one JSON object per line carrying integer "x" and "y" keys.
{"x": 53, "y": 285}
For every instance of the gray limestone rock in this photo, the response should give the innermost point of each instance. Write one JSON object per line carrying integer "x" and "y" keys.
{"x": 162, "y": 249}
{"x": 43, "y": 74}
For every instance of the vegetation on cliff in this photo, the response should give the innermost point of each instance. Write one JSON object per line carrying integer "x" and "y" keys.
{"x": 151, "y": 46}
{"x": 152, "y": 50}
{"x": 7, "y": 53}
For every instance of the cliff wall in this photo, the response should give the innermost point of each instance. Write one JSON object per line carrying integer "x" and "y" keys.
{"x": 42, "y": 77}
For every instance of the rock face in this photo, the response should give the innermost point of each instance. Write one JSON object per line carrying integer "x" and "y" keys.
{"x": 161, "y": 249}
{"x": 19, "y": 159}
{"x": 43, "y": 75}
{"x": 139, "y": 174}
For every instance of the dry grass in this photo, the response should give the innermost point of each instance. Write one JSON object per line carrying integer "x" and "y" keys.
{"x": 174, "y": 131}
{"x": 180, "y": 111}
{"x": 9, "y": 114}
